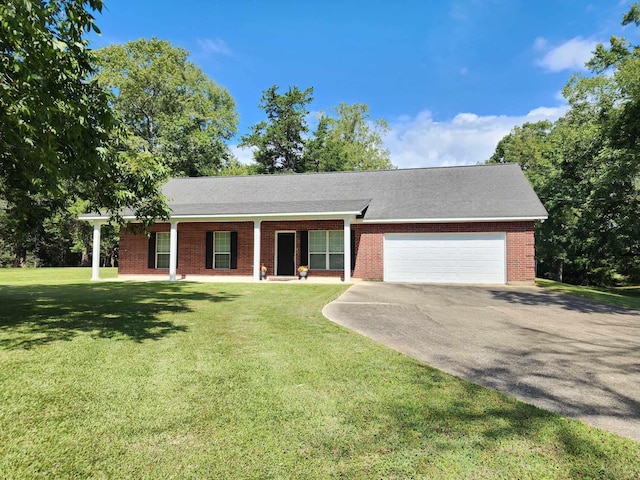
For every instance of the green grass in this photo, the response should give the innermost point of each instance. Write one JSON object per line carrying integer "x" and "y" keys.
{"x": 621, "y": 296}
{"x": 184, "y": 380}
{"x": 51, "y": 276}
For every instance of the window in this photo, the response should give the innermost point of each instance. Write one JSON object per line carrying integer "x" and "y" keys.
{"x": 222, "y": 250}
{"x": 162, "y": 250}
{"x": 326, "y": 250}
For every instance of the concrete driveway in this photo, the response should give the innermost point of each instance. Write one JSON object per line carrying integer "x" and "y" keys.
{"x": 572, "y": 356}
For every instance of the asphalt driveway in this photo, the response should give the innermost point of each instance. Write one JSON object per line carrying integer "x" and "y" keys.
{"x": 572, "y": 356}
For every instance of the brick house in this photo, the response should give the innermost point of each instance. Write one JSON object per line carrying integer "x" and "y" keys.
{"x": 471, "y": 224}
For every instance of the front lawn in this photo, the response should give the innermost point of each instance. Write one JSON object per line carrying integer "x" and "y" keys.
{"x": 185, "y": 380}
{"x": 620, "y": 296}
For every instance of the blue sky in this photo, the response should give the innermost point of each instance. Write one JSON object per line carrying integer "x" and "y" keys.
{"x": 451, "y": 77}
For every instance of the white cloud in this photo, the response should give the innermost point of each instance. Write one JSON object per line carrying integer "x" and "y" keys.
{"x": 546, "y": 113}
{"x": 244, "y": 155}
{"x": 215, "y": 46}
{"x": 570, "y": 55}
{"x": 467, "y": 139}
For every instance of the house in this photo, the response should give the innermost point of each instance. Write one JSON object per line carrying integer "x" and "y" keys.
{"x": 469, "y": 224}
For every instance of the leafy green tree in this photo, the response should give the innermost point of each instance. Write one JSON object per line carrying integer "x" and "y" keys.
{"x": 606, "y": 171}
{"x": 350, "y": 140}
{"x": 279, "y": 141}
{"x": 323, "y": 153}
{"x": 171, "y": 109}
{"x": 57, "y": 123}
{"x": 533, "y": 147}
{"x": 530, "y": 147}
{"x": 586, "y": 169}
{"x": 234, "y": 168}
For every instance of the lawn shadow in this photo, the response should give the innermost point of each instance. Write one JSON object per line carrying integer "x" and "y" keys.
{"x": 32, "y": 315}
{"x": 476, "y": 419}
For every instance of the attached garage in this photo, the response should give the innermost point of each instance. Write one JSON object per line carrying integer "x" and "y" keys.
{"x": 445, "y": 257}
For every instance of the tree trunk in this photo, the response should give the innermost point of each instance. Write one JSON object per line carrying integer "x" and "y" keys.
{"x": 19, "y": 257}
{"x": 85, "y": 260}
{"x": 560, "y": 267}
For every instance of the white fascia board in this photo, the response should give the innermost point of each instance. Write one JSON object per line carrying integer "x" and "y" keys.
{"x": 262, "y": 216}
{"x": 94, "y": 218}
{"x": 455, "y": 220}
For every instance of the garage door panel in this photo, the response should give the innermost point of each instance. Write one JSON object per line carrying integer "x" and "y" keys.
{"x": 445, "y": 258}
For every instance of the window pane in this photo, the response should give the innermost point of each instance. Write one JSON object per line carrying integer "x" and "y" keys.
{"x": 317, "y": 241}
{"x": 336, "y": 261}
{"x": 222, "y": 260}
{"x": 222, "y": 242}
{"x": 162, "y": 260}
{"x": 336, "y": 241}
{"x": 317, "y": 261}
{"x": 162, "y": 242}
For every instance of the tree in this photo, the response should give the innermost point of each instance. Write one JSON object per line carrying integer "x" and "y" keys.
{"x": 171, "y": 109}
{"x": 535, "y": 148}
{"x": 57, "y": 122}
{"x": 279, "y": 141}
{"x": 348, "y": 141}
{"x": 586, "y": 169}
{"x": 607, "y": 104}
{"x": 322, "y": 152}
{"x": 530, "y": 147}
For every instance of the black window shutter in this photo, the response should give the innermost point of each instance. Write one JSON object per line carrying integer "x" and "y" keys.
{"x": 234, "y": 251}
{"x": 304, "y": 247}
{"x": 353, "y": 250}
{"x": 152, "y": 250}
{"x": 208, "y": 254}
{"x": 177, "y": 248}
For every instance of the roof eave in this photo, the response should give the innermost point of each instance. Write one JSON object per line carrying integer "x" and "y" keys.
{"x": 245, "y": 216}
{"x": 455, "y": 219}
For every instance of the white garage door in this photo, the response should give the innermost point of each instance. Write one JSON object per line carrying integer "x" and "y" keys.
{"x": 445, "y": 257}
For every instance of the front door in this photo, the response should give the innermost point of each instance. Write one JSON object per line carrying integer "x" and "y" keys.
{"x": 286, "y": 253}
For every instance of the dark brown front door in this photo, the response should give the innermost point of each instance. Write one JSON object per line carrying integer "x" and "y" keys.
{"x": 286, "y": 252}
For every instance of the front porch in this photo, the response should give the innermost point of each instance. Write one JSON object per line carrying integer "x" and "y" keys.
{"x": 233, "y": 249}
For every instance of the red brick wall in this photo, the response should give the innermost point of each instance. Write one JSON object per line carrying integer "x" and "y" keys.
{"x": 520, "y": 245}
{"x": 191, "y": 249}
{"x": 368, "y": 240}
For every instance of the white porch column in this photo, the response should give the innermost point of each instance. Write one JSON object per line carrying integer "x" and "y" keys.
{"x": 347, "y": 251}
{"x": 256, "y": 250}
{"x": 95, "y": 260}
{"x": 173, "y": 250}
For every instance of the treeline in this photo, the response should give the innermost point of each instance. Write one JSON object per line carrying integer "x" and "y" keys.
{"x": 85, "y": 130}
{"x": 585, "y": 168}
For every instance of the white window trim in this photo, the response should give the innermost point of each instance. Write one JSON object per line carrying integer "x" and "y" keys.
{"x": 327, "y": 254}
{"x": 221, "y": 253}
{"x": 158, "y": 252}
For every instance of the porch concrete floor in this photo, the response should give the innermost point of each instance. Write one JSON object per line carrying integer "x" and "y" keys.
{"x": 225, "y": 279}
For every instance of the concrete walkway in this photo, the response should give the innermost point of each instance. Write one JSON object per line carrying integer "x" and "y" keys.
{"x": 572, "y": 356}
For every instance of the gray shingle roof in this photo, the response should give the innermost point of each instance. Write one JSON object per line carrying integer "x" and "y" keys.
{"x": 469, "y": 192}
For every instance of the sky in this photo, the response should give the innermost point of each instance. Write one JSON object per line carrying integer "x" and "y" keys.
{"x": 451, "y": 77}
